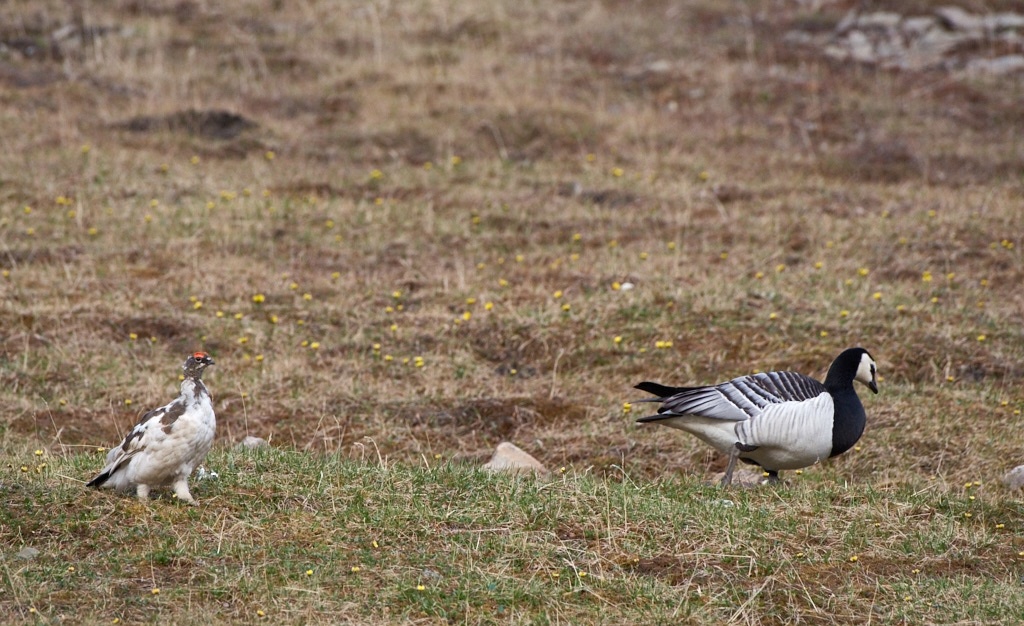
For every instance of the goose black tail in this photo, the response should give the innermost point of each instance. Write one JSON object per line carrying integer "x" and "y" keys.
{"x": 655, "y": 418}
{"x": 662, "y": 391}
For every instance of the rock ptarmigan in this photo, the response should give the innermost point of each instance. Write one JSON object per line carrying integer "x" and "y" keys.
{"x": 778, "y": 420}
{"x": 168, "y": 442}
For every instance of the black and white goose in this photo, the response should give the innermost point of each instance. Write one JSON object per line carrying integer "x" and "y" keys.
{"x": 168, "y": 442}
{"x": 777, "y": 420}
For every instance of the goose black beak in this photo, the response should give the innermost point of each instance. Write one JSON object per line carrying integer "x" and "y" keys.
{"x": 873, "y": 386}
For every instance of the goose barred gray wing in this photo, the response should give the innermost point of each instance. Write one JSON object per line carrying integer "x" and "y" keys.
{"x": 735, "y": 400}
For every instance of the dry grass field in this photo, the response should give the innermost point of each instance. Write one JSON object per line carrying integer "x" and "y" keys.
{"x": 407, "y": 231}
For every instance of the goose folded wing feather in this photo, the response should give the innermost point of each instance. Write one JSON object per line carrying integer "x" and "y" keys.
{"x": 742, "y": 398}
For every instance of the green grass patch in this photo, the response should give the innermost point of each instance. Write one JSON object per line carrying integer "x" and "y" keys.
{"x": 309, "y": 537}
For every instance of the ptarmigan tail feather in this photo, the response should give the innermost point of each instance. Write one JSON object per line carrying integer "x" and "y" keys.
{"x": 108, "y": 471}
{"x": 103, "y": 477}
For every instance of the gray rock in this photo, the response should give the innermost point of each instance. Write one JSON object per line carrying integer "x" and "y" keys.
{"x": 917, "y": 26}
{"x": 956, "y": 18}
{"x": 661, "y": 66}
{"x": 882, "y": 20}
{"x": 1014, "y": 479}
{"x": 799, "y": 38}
{"x": 949, "y": 38}
{"x": 860, "y": 47}
{"x": 999, "y": 66}
{"x": 28, "y": 553}
{"x": 510, "y": 458}
{"x": 938, "y": 41}
{"x": 891, "y": 49}
{"x": 1005, "y": 21}
{"x": 849, "y": 21}
{"x": 838, "y": 53}
{"x": 1011, "y": 37}
{"x": 251, "y": 442}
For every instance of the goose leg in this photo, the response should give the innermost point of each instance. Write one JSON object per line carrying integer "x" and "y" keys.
{"x": 727, "y": 478}
{"x": 773, "y": 477}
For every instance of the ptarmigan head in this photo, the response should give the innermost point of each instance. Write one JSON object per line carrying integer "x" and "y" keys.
{"x": 195, "y": 364}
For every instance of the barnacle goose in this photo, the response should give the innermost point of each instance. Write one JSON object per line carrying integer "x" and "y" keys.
{"x": 777, "y": 420}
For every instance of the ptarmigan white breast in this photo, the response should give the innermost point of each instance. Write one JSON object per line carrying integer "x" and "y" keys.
{"x": 168, "y": 442}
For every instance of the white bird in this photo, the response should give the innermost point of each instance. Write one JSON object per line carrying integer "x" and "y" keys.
{"x": 777, "y": 420}
{"x": 168, "y": 442}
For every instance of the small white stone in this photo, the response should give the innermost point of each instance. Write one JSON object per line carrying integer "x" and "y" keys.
{"x": 848, "y": 21}
{"x": 917, "y": 26}
{"x": 1014, "y": 479}
{"x": 999, "y": 66}
{"x": 509, "y": 457}
{"x": 938, "y": 41}
{"x": 1005, "y": 21}
{"x": 253, "y": 442}
{"x": 838, "y": 53}
{"x": 958, "y": 19}
{"x": 626, "y": 286}
{"x": 661, "y": 66}
{"x": 799, "y": 38}
{"x": 881, "y": 19}
{"x": 860, "y": 47}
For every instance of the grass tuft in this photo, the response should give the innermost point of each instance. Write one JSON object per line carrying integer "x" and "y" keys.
{"x": 332, "y": 538}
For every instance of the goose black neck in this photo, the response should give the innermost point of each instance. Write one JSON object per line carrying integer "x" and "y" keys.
{"x": 848, "y": 421}
{"x": 849, "y": 418}
{"x": 843, "y": 370}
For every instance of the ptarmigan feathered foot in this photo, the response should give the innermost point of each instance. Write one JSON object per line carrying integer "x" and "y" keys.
{"x": 167, "y": 443}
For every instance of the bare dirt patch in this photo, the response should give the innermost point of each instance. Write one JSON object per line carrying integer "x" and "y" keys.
{"x": 755, "y": 195}
{"x": 211, "y": 124}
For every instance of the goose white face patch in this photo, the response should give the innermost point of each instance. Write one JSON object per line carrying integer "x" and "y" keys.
{"x": 866, "y": 372}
